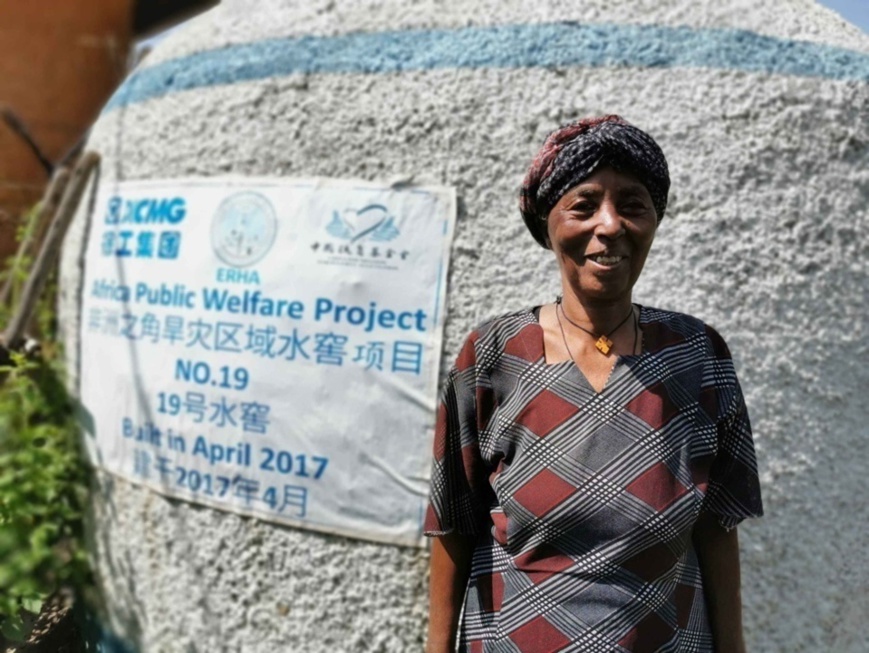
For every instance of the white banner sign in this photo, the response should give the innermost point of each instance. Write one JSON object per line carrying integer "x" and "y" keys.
{"x": 269, "y": 346}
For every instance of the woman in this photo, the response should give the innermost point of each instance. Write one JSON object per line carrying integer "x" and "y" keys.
{"x": 592, "y": 456}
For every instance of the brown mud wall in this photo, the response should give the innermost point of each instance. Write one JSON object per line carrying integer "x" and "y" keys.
{"x": 59, "y": 62}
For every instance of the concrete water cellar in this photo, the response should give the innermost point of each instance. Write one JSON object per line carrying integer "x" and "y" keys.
{"x": 761, "y": 109}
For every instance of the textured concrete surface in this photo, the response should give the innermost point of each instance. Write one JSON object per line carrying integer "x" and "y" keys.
{"x": 764, "y": 239}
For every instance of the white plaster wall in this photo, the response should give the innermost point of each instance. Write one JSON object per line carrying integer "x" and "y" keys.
{"x": 764, "y": 239}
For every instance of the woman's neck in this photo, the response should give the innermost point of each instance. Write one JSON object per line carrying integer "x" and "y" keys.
{"x": 599, "y": 316}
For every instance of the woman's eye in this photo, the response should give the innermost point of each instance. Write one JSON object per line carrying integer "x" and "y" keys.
{"x": 584, "y": 207}
{"x": 635, "y": 206}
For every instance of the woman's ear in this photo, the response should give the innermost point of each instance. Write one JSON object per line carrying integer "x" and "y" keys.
{"x": 546, "y": 239}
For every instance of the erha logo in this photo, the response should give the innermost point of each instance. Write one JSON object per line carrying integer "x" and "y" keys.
{"x": 147, "y": 210}
{"x": 244, "y": 228}
{"x": 372, "y": 222}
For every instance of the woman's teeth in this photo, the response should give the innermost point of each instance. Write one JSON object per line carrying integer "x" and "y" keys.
{"x": 606, "y": 260}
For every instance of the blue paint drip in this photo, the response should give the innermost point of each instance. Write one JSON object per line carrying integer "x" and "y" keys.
{"x": 509, "y": 46}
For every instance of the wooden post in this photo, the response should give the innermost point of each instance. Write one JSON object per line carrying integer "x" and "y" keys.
{"x": 47, "y": 209}
{"x": 50, "y": 247}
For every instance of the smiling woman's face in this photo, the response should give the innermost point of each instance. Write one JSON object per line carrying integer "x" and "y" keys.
{"x": 601, "y": 231}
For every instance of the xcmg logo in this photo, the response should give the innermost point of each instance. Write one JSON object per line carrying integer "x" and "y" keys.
{"x": 146, "y": 210}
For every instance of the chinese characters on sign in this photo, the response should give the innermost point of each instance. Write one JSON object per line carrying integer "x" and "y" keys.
{"x": 269, "y": 346}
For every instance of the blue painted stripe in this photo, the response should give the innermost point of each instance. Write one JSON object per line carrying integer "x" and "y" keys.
{"x": 508, "y": 46}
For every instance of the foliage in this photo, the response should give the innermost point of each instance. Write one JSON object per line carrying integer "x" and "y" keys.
{"x": 43, "y": 485}
{"x": 16, "y": 267}
{"x": 43, "y": 479}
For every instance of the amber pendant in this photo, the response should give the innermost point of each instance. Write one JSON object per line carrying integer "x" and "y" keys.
{"x": 604, "y": 345}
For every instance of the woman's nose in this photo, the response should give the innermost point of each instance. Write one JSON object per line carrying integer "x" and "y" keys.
{"x": 609, "y": 223}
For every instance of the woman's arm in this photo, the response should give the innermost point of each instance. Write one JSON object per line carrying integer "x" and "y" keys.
{"x": 448, "y": 578}
{"x": 718, "y": 553}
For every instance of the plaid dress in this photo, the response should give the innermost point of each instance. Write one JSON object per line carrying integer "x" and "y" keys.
{"x": 582, "y": 503}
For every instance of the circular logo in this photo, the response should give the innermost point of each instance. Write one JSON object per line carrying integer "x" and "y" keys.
{"x": 243, "y": 229}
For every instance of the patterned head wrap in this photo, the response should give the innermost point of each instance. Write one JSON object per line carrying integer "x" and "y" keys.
{"x": 575, "y": 151}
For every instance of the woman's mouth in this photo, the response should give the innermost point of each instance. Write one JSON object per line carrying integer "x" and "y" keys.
{"x": 606, "y": 260}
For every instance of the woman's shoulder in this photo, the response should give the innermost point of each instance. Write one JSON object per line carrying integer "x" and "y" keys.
{"x": 496, "y": 335}
{"x": 672, "y": 326}
{"x": 506, "y": 323}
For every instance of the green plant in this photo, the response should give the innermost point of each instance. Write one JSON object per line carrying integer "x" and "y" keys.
{"x": 16, "y": 267}
{"x": 43, "y": 479}
{"x": 43, "y": 487}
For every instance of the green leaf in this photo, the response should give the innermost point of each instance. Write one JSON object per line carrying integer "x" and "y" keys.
{"x": 33, "y": 605}
{"x": 13, "y": 628}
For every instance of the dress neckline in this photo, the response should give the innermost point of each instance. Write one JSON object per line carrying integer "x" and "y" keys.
{"x": 619, "y": 365}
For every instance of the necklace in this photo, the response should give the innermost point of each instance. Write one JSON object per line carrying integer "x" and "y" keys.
{"x": 567, "y": 347}
{"x": 564, "y": 337}
{"x": 602, "y": 341}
